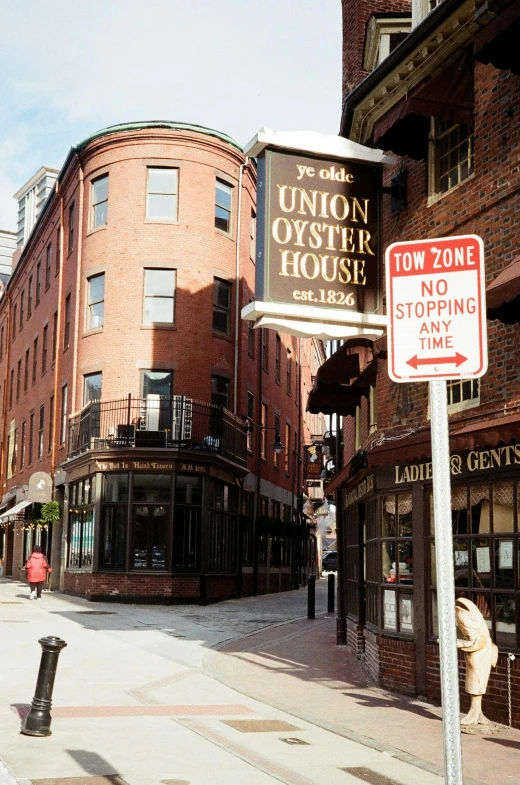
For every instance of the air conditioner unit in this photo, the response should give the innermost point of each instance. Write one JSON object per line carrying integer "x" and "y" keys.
{"x": 151, "y": 411}
{"x": 182, "y": 419}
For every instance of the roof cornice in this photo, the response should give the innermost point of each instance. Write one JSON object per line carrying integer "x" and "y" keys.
{"x": 444, "y": 31}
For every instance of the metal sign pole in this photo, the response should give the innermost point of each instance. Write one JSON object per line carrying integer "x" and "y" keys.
{"x": 445, "y": 584}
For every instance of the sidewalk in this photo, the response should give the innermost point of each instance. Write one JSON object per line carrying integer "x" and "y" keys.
{"x": 143, "y": 697}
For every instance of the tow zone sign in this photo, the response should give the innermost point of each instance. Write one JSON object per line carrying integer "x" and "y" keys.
{"x": 436, "y": 309}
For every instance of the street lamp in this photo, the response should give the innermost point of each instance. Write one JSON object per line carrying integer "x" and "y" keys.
{"x": 278, "y": 446}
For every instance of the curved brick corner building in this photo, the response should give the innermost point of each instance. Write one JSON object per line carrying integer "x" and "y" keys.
{"x": 127, "y": 376}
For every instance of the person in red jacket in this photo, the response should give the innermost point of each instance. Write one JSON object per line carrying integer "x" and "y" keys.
{"x": 37, "y": 567}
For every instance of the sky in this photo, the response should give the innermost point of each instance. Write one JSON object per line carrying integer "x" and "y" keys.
{"x": 68, "y": 69}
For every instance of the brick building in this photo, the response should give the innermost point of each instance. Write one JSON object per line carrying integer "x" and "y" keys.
{"x": 438, "y": 85}
{"x": 134, "y": 394}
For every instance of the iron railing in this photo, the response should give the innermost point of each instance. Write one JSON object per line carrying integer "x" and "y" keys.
{"x": 156, "y": 422}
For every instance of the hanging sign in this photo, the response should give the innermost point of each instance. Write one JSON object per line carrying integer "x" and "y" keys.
{"x": 318, "y": 254}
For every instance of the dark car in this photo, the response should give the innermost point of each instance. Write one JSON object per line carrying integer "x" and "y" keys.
{"x": 330, "y": 561}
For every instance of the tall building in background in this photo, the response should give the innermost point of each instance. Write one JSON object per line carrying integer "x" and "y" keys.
{"x": 31, "y": 198}
{"x": 446, "y": 102}
{"x": 168, "y": 430}
{"x": 7, "y": 248}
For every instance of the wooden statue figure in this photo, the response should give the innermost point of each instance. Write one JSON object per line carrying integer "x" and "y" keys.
{"x": 481, "y": 654}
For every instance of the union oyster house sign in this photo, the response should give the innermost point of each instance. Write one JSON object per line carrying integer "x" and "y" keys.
{"x": 318, "y": 259}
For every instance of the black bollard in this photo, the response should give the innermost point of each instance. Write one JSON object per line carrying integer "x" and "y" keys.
{"x": 330, "y": 592}
{"x": 311, "y": 597}
{"x": 38, "y": 721}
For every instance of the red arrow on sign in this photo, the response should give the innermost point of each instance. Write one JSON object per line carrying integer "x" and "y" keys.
{"x": 415, "y": 362}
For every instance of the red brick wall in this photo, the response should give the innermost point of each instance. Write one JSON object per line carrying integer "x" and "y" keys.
{"x": 495, "y": 702}
{"x": 355, "y": 638}
{"x": 120, "y": 585}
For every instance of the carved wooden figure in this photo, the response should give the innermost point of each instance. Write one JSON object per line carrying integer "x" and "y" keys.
{"x": 481, "y": 654}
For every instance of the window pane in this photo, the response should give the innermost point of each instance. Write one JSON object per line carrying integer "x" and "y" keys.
{"x": 405, "y": 514}
{"x": 100, "y": 189}
{"x": 92, "y": 388}
{"x": 151, "y": 487}
{"x": 140, "y": 559}
{"x": 503, "y": 512}
{"x": 100, "y": 214}
{"x": 461, "y": 562}
{"x": 481, "y": 564}
{"x": 504, "y": 574}
{"x": 159, "y": 283}
{"x": 157, "y": 383}
{"x": 162, "y": 206}
{"x": 389, "y": 571}
{"x": 221, "y": 321}
{"x": 96, "y": 288}
{"x": 406, "y": 613}
{"x": 222, "y": 219}
{"x": 223, "y": 195}
{"x": 188, "y": 490}
{"x": 162, "y": 181}
{"x": 115, "y": 487}
{"x": 114, "y": 525}
{"x": 97, "y": 315}
{"x": 158, "y": 309}
{"x": 389, "y": 522}
{"x": 160, "y": 523}
{"x": 505, "y": 619}
{"x": 390, "y": 610}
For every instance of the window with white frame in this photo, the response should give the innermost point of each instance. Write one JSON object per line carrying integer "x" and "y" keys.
{"x": 96, "y": 301}
{"x": 451, "y": 156}
{"x": 421, "y": 8}
{"x": 159, "y": 296}
{"x": 383, "y": 35}
{"x": 462, "y": 394}
{"x": 223, "y": 202}
{"x": 162, "y": 193}
{"x": 99, "y": 195}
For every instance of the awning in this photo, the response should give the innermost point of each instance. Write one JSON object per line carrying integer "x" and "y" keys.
{"x": 343, "y": 379}
{"x": 11, "y": 514}
{"x": 404, "y": 129}
{"x": 497, "y": 44}
{"x": 503, "y": 295}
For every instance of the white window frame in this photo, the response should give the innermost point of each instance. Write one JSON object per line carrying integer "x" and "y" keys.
{"x": 377, "y": 44}
{"x": 171, "y": 297}
{"x": 467, "y": 403}
{"x": 94, "y": 204}
{"x": 163, "y": 219}
{"x": 421, "y": 8}
{"x": 434, "y": 192}
{"x": 91, "y": 303}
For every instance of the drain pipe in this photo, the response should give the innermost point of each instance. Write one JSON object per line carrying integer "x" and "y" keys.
{"x": 237, "y": 286}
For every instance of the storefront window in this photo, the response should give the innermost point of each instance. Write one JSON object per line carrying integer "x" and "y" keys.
{"x": 81, "y": 524}
{"x": 113, "y": 536}
{"x": 485, "y": 545}
{"x": 115, "y": 488}
{"x": 152, "y": 488}
{"x": 397, "y": 562}
{"x": 186, "y": 523}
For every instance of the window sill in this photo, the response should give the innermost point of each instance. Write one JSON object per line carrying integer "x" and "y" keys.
{"x": 94, "y": 331}
{"x": 167, "y": 221}
{"x": 159, "y": 326}
{"x": 224, "y": 337}
{"x": 434, "y": 198}
{"x": 222, "y": 233}
{"x": 96, "y": 229}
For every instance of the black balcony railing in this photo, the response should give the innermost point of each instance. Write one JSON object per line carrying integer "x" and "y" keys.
{"x": 155, "y": 422}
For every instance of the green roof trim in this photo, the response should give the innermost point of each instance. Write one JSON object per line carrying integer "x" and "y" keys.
{"x": 116, "y": 129}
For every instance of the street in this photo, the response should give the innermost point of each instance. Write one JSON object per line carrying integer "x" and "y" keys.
{"x": 241, "y": 691}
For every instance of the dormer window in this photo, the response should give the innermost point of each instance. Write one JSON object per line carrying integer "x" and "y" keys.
{"x": 421, "y": 8}
{"x": 384, "y": 33}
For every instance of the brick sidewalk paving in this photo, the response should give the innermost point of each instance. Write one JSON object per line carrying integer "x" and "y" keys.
{"x": 300, "y": 669}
